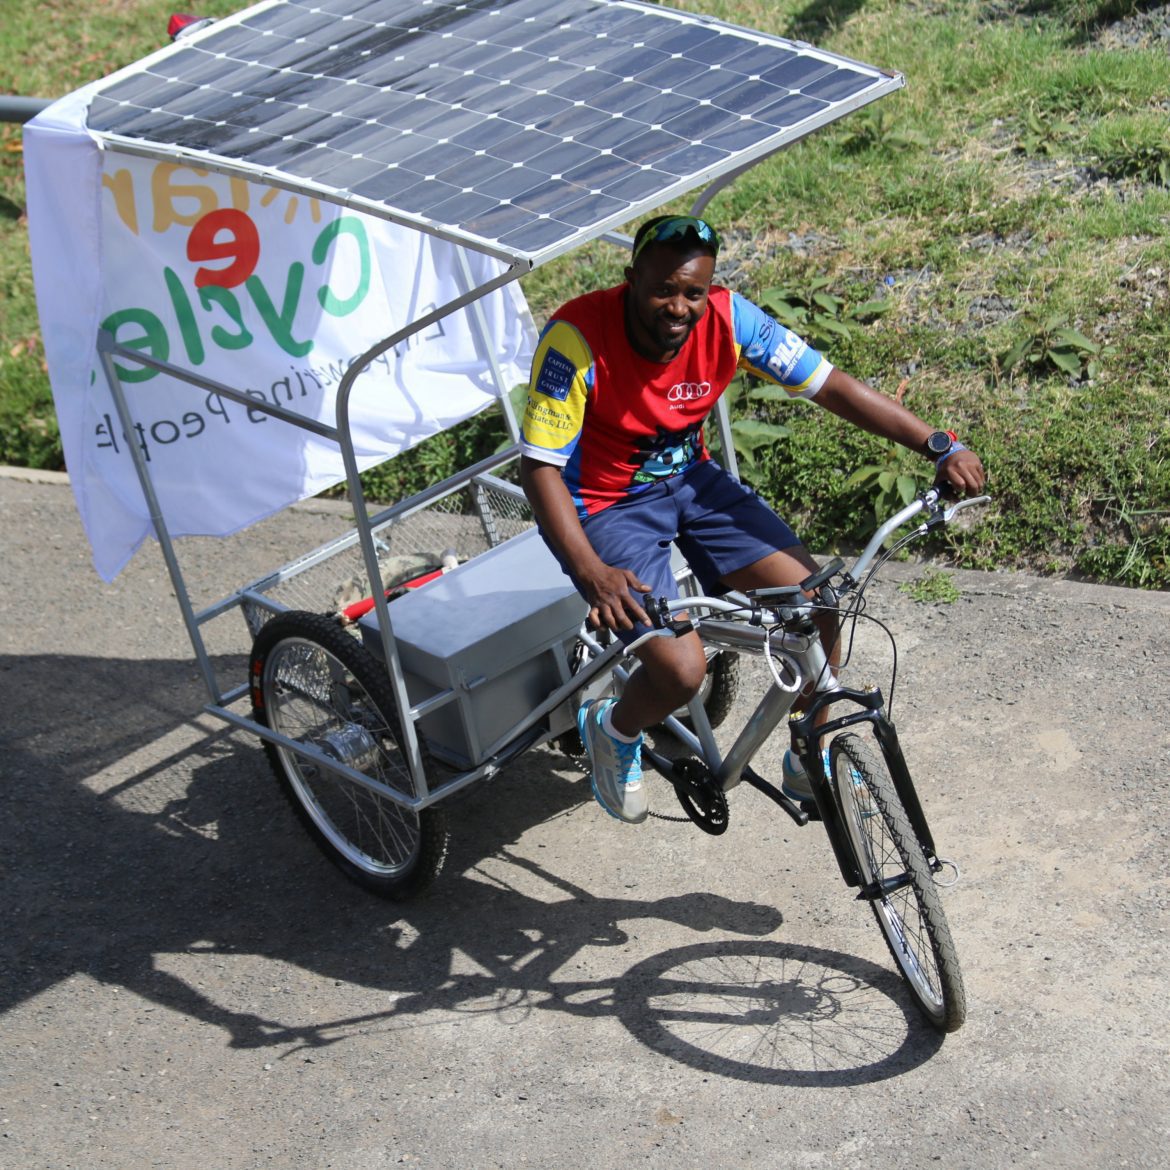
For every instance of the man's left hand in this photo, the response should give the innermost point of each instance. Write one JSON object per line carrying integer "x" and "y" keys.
{"x": 964, "y": 472}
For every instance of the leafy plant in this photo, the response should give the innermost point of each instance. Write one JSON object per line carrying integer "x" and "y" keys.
{"x": 892, "y": 484}
{"x": 934, "y": 587}
{"x": 818, "y": 315}
{"x": 1148, "y": 163}
{"x": 1050, "y": 344}
{"x": 1042, "y": 133}
{"x": 749, "y": 433}
{"x": 874, "y": 128}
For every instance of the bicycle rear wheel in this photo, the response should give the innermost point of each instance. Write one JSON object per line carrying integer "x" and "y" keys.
{"x": 897, "y": 881}
{"x": 316, "y": 685}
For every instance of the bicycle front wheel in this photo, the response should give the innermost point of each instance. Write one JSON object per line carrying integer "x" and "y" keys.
{"x": 897, "y": 881}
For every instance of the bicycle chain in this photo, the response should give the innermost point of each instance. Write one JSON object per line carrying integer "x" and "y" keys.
{"x": 683, "y": 820}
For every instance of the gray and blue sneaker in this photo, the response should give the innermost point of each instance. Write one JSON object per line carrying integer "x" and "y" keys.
{"x": 617, "y": 766}
{"x": 796, "y": 784}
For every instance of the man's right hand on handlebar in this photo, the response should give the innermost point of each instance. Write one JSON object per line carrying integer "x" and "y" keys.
{"x": 611, "y": 605}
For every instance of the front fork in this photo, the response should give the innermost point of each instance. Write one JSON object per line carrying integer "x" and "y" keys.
{"x": 806, "y": 737}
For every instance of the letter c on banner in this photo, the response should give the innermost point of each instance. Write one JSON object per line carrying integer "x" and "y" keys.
{"x": 243, "y": 248}
{"x": 352, "y": 226}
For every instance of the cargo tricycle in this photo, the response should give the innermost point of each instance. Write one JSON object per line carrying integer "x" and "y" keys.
{"x": 435, "y": 640}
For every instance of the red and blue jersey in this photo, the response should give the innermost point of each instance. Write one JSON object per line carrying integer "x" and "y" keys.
{"x": 616, "y": 421}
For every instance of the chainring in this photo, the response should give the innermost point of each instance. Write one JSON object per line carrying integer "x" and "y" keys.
{"x": 702, "y": 799}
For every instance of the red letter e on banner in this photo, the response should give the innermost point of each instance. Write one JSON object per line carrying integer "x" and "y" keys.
{"x": 242, "y": 247}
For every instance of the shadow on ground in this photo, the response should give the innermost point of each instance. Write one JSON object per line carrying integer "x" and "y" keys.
{"x": 116, "y": 858}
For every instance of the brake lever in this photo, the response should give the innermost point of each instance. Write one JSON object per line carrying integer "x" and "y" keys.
{"x": 950, "y": 513}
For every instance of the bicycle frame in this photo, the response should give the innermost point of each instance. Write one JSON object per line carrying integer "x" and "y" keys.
{"x": 804, "y": 659}
{"x": 802, "y": 656}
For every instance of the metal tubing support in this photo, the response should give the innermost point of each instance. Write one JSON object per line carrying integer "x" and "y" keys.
{"x": 770, "y": 710}
{"x": 362, "y": 519}
{"x": 105, "y": 348}
{"x": 486, "y": 350}
{"x": 311, "y": 752}
{"x": 726, "y": 442}
{"x": 21, "y": 109}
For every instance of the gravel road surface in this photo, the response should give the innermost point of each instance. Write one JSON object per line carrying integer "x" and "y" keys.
{"x": 185, "y": 982}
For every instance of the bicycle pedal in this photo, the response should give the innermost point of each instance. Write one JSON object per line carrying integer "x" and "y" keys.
{"x": 810, "y": 810}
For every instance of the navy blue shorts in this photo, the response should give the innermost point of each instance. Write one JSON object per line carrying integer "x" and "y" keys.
{"x": 719, "y": 524}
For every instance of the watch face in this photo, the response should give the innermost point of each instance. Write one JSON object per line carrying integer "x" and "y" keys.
{"x": 939, "y": 443}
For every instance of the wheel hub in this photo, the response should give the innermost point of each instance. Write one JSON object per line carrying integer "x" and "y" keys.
{"x": 352, "y": 745}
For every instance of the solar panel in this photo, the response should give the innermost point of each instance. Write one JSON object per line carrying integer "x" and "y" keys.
{"x": 518, "y": 127}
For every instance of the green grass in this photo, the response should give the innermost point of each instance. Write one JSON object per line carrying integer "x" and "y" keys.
{"x": 934, "y": 587}
{"x": 1018, "y": 177}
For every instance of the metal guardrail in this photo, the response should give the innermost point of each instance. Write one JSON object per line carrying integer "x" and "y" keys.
{"x": 21, "y": 109}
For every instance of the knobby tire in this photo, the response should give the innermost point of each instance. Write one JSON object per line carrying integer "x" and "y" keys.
{"x": 316, "y": 684}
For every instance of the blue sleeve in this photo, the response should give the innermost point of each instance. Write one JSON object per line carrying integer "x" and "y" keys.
{"x": 770, "y": 351}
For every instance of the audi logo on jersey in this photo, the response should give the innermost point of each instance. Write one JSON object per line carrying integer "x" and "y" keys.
{"x": 688, "y": 391}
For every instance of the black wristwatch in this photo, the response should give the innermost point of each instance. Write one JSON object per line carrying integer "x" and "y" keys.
{"x": 939, "y": 443}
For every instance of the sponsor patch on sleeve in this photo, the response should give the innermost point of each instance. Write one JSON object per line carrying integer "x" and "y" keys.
{"x": 786, "y": 353}
{"x": 555, "y": 379}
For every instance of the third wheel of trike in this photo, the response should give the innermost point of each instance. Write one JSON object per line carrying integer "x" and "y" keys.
{"x": 319, "y": 687}
{"x": 897, "y": 881}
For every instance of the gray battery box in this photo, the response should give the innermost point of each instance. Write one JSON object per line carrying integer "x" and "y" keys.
{"x": 494, "y": 634}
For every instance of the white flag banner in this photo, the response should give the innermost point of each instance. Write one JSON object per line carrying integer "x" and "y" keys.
{"x": 264, "y": 291}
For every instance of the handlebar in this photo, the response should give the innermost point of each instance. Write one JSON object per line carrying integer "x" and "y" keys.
{"x": 933, "y": 502}
{"x": 930, "y": 501}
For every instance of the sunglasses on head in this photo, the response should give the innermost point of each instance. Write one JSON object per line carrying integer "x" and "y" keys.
{"x": 676, "y": 228}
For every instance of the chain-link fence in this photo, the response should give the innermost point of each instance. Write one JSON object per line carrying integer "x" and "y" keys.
{"x": 447, "y": 531}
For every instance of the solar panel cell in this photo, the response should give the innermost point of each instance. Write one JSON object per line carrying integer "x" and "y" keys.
{"x": 523, "y": 145}
{"x": 792, "y": 110}
{"x": 647, "y": 148}
{"x": 533, "y": 109}
{"x": 474, "y": 171}
{"x": 691, "y": 159}
{"x": 840, "y": 84}
{"x": 749, "y": 97}
{"x": 662, "y": 108}
{"x": 422, "y": 196}
{"x": 624, "y": 96}
{"x": 562, "y": 158}
{"x": 718, "y": 49}
{"x": 590, "y": 210}
{"x": 462, "y": 207}
{"x": 534, "y": 235}
{"x": 795, "y": 72}
{"x": 572, "y": 121}
{"x": 388, "y": 184}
